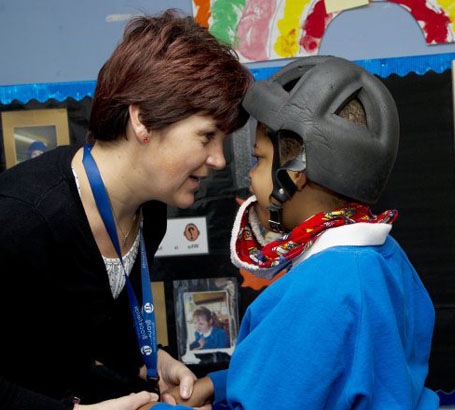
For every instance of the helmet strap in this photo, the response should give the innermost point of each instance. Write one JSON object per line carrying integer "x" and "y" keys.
{"x": 284, "y": 187}
{"x": 281, "y": 193}
{"x": 275, "y": 217}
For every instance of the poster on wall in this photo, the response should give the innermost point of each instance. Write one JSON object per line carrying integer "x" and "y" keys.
{"x": 29, "y": 133}
{"x": 270, "y": 29}
{"x": 184, "y": 236}
{"x": 206, "y": 315}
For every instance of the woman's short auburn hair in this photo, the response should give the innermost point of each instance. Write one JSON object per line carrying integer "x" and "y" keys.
{"x": 171, "y": 68}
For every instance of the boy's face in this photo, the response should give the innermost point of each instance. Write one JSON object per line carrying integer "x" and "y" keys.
{"x": 261, "y": 174}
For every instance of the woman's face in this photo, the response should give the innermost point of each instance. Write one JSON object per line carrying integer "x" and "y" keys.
{"x": 183, "y": 155}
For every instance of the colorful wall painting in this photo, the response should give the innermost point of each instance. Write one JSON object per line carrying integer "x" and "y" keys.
{"x": 339, "y": 5}
{"x": 436, "y": 18}
{"x": 272, "y": 29}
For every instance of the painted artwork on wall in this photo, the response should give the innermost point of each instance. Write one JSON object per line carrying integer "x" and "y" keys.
{"x": 272, "y": 29}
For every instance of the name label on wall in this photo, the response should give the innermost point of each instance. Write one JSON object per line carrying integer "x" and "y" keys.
{"x": 184, "y": 236}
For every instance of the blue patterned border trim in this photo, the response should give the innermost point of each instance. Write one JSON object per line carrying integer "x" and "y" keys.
{"x": 46, "y": 91}
{"x": 383, "y": 67}
{"x": 78, "y": 90}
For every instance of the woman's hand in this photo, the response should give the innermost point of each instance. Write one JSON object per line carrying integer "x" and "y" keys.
{"x": 174, "y": 374}
{"x": 132, "y": 402}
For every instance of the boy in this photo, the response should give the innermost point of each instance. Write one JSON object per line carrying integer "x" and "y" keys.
{"x": 349, "y": 325}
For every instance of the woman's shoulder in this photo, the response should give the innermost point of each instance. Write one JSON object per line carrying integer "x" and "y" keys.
{"x": 30, "y": 181}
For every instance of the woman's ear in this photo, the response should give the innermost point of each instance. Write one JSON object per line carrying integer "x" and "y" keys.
{"x": 139, "y": 129}
{"x": 299, "y": 179}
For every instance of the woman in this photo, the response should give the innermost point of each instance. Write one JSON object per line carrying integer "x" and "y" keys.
{"x": 163, "y": 104}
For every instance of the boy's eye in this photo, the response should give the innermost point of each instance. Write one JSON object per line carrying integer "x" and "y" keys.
{"x": 254, "y": 160}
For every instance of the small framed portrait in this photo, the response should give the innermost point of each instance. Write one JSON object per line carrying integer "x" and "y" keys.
{"x": 29, "y": 133}
{"x": 207, "y": 319}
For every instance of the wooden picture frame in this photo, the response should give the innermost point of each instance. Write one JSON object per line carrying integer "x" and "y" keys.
{"x": 27, "y": 133}
{"x": 159, "y": 301}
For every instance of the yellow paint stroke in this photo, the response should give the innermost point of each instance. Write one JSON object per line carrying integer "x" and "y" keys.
{"x": 449, "y": 8}
{"x": 287, "y": 43}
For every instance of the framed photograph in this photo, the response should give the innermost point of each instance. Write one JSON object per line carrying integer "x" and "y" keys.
{"x": 206, "y": 319}
{"x": 29, "y": 133}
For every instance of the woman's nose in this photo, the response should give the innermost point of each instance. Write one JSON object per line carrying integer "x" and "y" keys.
{"x": 216, "y": 158}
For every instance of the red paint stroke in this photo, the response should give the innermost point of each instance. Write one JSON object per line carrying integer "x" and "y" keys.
{"x": 435, "y": 23}
{"x": 253, "y": 29}
{"x": 255, "y": 283}
{"x": 203, "y": 12}
{"x": 314, "y": 27}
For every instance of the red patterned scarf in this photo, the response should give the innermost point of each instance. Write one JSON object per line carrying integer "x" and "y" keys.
{"x": 280, "y": 253}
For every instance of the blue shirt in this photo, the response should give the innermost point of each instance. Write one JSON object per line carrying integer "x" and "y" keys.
{"x": 349, "y": 328}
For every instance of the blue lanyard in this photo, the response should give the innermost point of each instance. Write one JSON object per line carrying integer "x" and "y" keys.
{"x": 144, "y": 321}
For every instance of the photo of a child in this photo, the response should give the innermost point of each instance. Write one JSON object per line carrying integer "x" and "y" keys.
{"x": 206, "y": 316}
{"x": 209, "y": 332}
{"x": 207, "y": 320}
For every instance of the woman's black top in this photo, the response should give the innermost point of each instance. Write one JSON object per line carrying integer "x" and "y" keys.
{"x": 57, "y": 312}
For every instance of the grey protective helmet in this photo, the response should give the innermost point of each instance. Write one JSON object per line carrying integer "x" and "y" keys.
{"x": 305, "y": 97}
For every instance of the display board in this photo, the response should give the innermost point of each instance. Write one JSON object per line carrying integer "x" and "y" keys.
{"x": 422, "y": 188}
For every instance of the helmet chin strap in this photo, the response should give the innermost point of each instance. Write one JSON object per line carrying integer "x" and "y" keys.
{"x": 275, "y": 217}
{"x": 283, "y": 186}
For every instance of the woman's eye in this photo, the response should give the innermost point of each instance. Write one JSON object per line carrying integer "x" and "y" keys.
{"x": 207, "y": 137}
{"x": 254, "y": 160}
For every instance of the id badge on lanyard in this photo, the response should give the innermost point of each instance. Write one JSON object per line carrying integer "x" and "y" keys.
{"x": 143, "y": 317}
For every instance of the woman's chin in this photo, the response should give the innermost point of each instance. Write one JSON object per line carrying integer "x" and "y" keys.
{"x": 185, "y": 202}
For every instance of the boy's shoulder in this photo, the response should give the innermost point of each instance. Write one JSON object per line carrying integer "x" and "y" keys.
{"x": 341, "y": 276}
{"x": 346, "y": 268}
{"x": 329, "y": 277}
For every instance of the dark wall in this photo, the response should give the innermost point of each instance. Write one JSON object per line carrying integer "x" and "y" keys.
{"x": 421, "y": 187}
